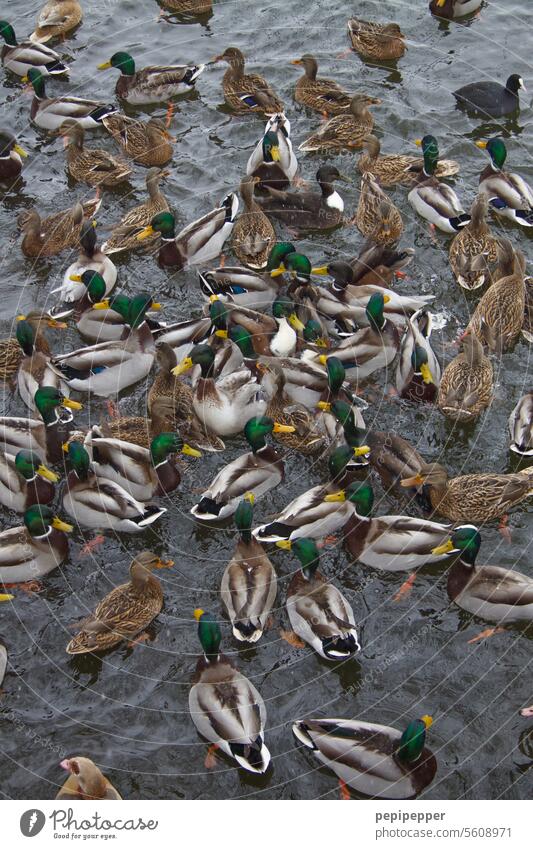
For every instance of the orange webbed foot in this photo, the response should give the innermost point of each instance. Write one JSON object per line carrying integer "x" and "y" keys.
{"x": 91, "y": 545}
{"x": 484, "y": 635}
{"x": 170, "y": 113}
{"x": 406, "y": 587}
{"x": 210, "y": 758}
{"x": 344, "y": 791}
{"x": 292, "y": 639}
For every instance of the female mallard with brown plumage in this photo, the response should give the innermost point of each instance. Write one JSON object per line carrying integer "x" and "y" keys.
{"x": 379, "y": 42}
{"x": 124, "y": 235}
{"x": 374, "y": 760}
{"x": 124, "y": 612}
{"x": 225, "y": 706}
{"x": 51, "y": 235}
{"x": 147, "y": 142}
{"x": 189, "y": 7}
{"x": 249, "y": 584}
{"x": 499, "y": 314}
{"x": 325, "y": 96}
{"x": 344, "y": 131}
{"x": 246, "y": 92}
{"x": 93, "y": 166}
{"x": 377, "y": 218}
{"x": 467, "y": 383}
{"x": 392, "y": 168}
{"x": 474, "y": 251}
{"x": 56, "y": 19}
{"x": 319, "y": 613}
{"x": 24, "y": 481}
{"x": 85, "y": 781}
{"x": 253, "y": 235}
{"x": 472, "y": 498}
{"x": 494, "y": 593}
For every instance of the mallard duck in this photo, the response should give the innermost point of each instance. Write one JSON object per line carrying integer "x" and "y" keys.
{"x": 377, "y": 218}
{"x": 85, "y": 781}
{"x": 491, "y": 592}
{"x": 491, "y": 99}
{"x": 474, "y": 250}
{"x": 225, "y": 706}
{"x": 93, "y": 166}
{"x": 390, "y": 169}
{"x": 243, "y": 287}
{"x": 124, "y": 236}
{"x": 95, "y": 324}
{"x": 380, "y": 42}
{"x": 309, "y": 210}
{"x": 257, "y": 472}
{"x": 273, "y": 159}
{"x": 307, "y": 436}
{"x": 56, "y": 18}
{"x": 312, "y": 515}
{"x": 451, "y": 9}
{"x": 249, "y": 584}
{"x": 24, "y": 481}
{"x": 51, "y": 235}
{"x": 521, "y": 426}
{"x": 152, "y": 84}
{"x": 78, "y": 276}
{"x": 246, "y": 92}
{"x": 11, "y": 156}
{"x": 269, "y": 336}
{"x": 198, "y": 242}
{"x": 32, "y": 550}
{"x": 95, "y": 502}
{"x": 344, "y": 131}
{"x": 325, "y": 96}
{"x": 318, "y": 612}
{"x": 222, "y": 405}
{"x": 109, "y": 367}
{"x": 379, "y": 265}
{"x": 35, "y": 370}
{"x": 433, "y": 200}
{"x": 499, "y": 314}
{"x": 508, "y": 193}
{"x": 467, "y": 383}
{"x": 253, "y": 235}
{"x": 124, "y": 612}
{"x": 391, "y": 543}
{"x": 472, "y": 498}
{"x": 418, "y": 371}
{"x": 147, "y": 142}
{"x": 50, "y": 112}
{"x": 19, "y": 57}
{"x": 374, "y": 760}
{"x": 189, "y": 7}
{"x": 45, "y": 435}
{"x": 10, "y": 351}
{"x": 143, "y": 472}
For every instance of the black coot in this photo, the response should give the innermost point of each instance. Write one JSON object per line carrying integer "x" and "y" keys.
{"x": 490, "y": 98}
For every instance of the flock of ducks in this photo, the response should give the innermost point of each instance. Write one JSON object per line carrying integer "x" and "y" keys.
{"x": 272, "y": 355}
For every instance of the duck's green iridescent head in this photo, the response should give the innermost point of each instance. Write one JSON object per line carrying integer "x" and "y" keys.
{"x": 496, "y": 150}
{"x": 47, "y": 399}
{"x": 200, "y": 355}
{"x": 39, "y": 520}
{"x": 25, "y": 336}
{"x": 163, "y": 223}
{"x": 359, "y": 493}
{"x": 298, "y": 266}
{"x": 374, "y": 310}
{"x": 271, "y": 147}
{"x": 419, "y": 362}
{"x": 122, "y": 61}
{"x": 170, "y": 443}
{"x": 243, "y": 339}
{"x": 94, "y": 283}
{"x": 79, "y": 459}
{"x": 283, "y": 307}
{"x": 464, "y": 541}
{"x": 209, "y": 633}
{"x": 306, "y": 551}
{"x": 354, "y": 436}
{"x": 29, "y": 465}
{"x": 244, "y": 515}
{"x": 257, "y": 429}
{"x": 413, "y": 740}
{"x": 314, "y": 334}
{"x": 336, "y": 374}
{"x": 430, "y": 151}
{"x": 37, "y": 80}
{"x": 8, "y": 33}
{"x": 338, "y": 461}
{"x": 218, "y": 314}
{"x": 138, "y": 307}
{"x": 276, "y": 257}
